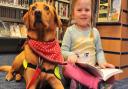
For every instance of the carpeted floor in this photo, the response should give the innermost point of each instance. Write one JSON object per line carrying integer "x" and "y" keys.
{"x": 122, "y": 84}
{"x": 10, "y": 84}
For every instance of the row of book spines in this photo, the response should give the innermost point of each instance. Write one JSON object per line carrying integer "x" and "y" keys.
{"x": 32, "y": 1}
{"x": 23, "y": 3}
{"x": 62, "y": 9}
{"x": 60, "y": 33}
{"x": 11, "y": 13}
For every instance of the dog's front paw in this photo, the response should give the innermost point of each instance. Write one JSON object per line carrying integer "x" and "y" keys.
{"x": 9, "y": 77}
{"x": 18, "y": 77}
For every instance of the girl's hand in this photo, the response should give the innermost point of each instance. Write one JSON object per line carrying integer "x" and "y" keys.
{"x": 72, "y": 58}
{"x": 107, "y": 65}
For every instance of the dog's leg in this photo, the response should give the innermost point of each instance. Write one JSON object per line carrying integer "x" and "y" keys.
{"x": 28, "y": 75}
{"x": 17, "y": 63}
{"x": 54, "y": 82}
{"x": 9, "y": 75}
{"x": 18, "y": 77}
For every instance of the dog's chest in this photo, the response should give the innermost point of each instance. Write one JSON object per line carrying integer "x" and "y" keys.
{"x": 34, "y": 59}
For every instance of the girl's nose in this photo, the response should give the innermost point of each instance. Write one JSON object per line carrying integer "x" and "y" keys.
{"x": 83, "y": 12}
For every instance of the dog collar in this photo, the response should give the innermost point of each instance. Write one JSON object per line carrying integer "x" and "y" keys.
{"x": 50, "y": 51}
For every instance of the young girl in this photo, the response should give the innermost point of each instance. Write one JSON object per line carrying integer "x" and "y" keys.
{"x": 82, "y": 43}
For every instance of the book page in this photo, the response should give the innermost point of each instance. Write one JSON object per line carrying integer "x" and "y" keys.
{"x": 109, "y": 72}
{"x": 98, "y": 72}
{"x": 91, "y": 69}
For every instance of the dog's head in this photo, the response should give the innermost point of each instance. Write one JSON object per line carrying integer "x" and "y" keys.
{"x": 41, "y": 21}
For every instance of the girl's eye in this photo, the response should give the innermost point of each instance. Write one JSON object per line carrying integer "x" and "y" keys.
{"x": 46, "y": 8}
{"x": 33, "y": 8}
{"x": 87, "y": 9}
{"x": 83, "y": 9}
{"x": 79, "y": 10}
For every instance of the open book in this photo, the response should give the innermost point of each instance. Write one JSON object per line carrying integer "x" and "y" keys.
{"x": 104, "y": 74}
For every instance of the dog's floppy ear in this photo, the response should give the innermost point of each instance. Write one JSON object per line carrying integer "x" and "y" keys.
{"x": 26, "y": 20}
{"x": 57, "y": 20}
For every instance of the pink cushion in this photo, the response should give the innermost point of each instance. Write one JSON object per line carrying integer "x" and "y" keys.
{"x": 74, "y": 72}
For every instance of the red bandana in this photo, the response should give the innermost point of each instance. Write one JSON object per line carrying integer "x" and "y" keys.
{"x": 49, "y": 49}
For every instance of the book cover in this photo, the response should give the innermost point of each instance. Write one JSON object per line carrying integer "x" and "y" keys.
{"x": 115, "y": 10}
{"x": 95, "y": 8}
{"x": 17, "y": 30}
{"x": 63, "y": 10}
{"x": 23, "y": 30}
{"x": 4, "y": 29}
{"x": 56, "y": 6}
{"x": 12, "y": 31}
{"x": 103, "y": 11}
{"x": 104, "y": 74}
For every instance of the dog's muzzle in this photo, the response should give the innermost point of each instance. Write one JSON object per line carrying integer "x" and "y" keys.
{"x": 38, "y": 18}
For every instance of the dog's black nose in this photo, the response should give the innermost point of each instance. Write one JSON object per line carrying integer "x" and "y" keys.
{"x": 38, "y": 16}
{"x": 38, "y": 13}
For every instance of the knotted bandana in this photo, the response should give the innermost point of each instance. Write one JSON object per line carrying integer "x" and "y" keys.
{"x": 51, "y": 49}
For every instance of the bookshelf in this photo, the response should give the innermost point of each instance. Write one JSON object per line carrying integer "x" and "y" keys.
{"x": 64, "y": 11}
{"x": 12, "y": 32}
{"x": 113, "y": 29}
{"x": 63, "y": 8}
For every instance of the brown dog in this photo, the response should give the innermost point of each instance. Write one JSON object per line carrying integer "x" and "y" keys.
{"x": 41, "y": 21}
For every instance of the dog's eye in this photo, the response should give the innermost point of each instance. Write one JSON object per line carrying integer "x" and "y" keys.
{"x": 33, "y": 8}
{"x": 46, "y": 8}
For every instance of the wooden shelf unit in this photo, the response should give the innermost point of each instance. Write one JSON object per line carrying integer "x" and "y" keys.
{"x": 114, "y": 37}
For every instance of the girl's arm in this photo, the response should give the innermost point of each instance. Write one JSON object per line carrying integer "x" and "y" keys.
{"x": 66, "y": 45}
{"x": 99, "y": 52}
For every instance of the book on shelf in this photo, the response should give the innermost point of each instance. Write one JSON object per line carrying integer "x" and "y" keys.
{"x": 4, "y": 29}
{"x": 23, "y": 31}
{"x": 95, "y": 8}
{"x": 103, "y": 11}
{"x": 14, "y": 3}
{"x": 58, "y": 33}
{"x": 11, "y": 13}
{"x": 17, "y": 30}
{"x": 115, "y": 10}
{"x": 63, "y": 9}
{"x": 104, "y": 74}
{"x": 56, "y": 6}
{"x": 12, "y": 31}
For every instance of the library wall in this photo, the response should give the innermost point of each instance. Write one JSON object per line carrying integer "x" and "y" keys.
{"x": 114, "y": 37}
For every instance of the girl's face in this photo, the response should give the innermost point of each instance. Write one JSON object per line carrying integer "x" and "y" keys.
{"x": 82, "y": 13}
